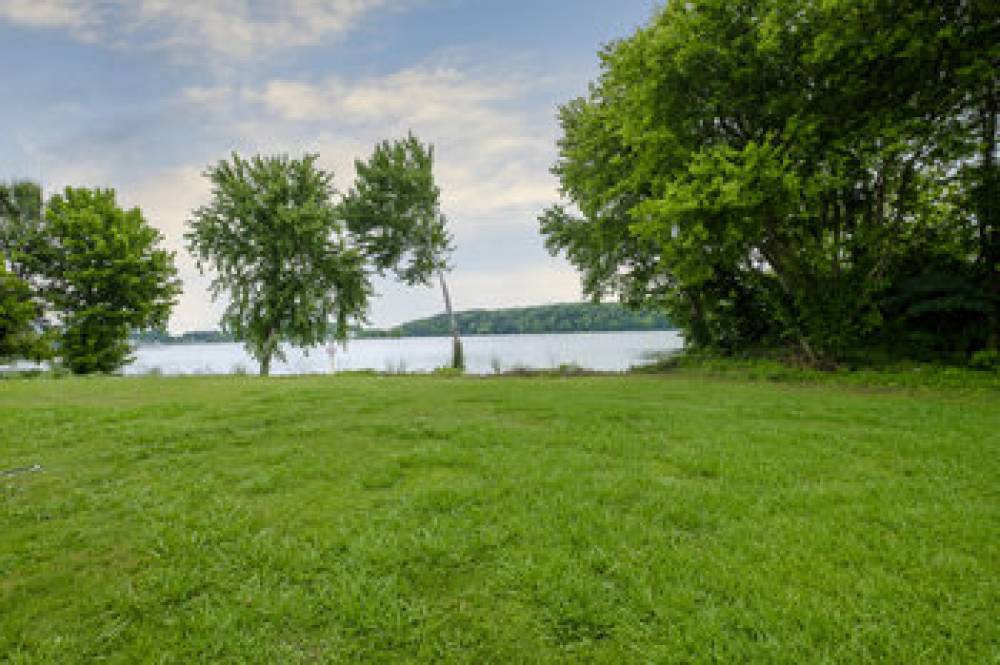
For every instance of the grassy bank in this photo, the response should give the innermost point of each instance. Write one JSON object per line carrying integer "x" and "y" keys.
{"x": 594, "y": 519}
{"x": 918, "y": 377}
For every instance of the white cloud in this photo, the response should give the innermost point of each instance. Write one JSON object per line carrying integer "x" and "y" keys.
{"x": 207, "y": 96}
{"x": 421, "y": 95}
{"x": 167, "y": 199}
{"x": 239, "y": 29}
{"x": 71, "y": 14}
{"x": 493, "y": 151}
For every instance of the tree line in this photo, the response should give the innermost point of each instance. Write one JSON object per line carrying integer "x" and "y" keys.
{"x": 162, "y": 336}
{"x": 558, "y": 318}
{"x": 80, "y": 276}
{"x": 817, "y": 179}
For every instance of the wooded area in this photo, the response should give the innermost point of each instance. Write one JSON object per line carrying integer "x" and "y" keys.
{"x": 813, "y": 178}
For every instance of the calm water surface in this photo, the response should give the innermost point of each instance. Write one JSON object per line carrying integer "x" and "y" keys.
{"x": 483, "y": 354}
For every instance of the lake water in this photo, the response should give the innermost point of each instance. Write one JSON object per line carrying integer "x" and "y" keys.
{"x": 612, "y": 352}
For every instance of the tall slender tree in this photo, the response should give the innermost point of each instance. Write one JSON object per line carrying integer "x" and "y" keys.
{"x": 394, "y": 212}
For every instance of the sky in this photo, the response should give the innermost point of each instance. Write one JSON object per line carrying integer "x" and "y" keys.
{"x": 142, "y": 95}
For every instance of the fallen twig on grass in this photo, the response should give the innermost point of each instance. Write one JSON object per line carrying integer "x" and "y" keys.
{"x": 34, "y": 468}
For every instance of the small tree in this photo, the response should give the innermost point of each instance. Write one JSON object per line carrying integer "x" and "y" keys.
{"x": 102, "y": 274}
{"x": 279, "y": 252}
{"x": 394, "y": 212}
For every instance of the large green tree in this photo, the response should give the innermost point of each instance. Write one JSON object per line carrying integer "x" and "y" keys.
{"x": 278, "y": 251}
{"x": 771, "y": 171}
{"x": 101, "y": 273}
{"x": 394, "y": 212}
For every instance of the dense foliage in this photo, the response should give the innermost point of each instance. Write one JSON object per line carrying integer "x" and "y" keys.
{"x": 20, "y": 314}
{"x": 92, "y": 270}
{"x": 278, "y": 250}
{"x": 813, "y": 176}
{"x": 569, "y": 317}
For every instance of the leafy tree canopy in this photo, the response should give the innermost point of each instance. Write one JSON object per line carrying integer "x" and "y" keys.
{"x": 393, "y": 211}
{"x": 272, "y": 237}
{"x": 770, "y": 171}
{"x": 101, "y": 273}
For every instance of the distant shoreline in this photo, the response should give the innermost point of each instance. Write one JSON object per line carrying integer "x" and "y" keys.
{"x": 395, "y": 337}
{"x": 563, "y": 318}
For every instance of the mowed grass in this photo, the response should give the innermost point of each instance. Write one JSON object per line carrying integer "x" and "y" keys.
{"x": 429, "y": 519}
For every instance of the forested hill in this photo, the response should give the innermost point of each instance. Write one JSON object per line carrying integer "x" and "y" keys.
{"x": 570, "y": 317}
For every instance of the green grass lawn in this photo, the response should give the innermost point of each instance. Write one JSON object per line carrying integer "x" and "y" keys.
{"x": 377, "y": 519}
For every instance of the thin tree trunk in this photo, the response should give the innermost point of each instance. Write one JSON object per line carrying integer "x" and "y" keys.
{"x": 457, "y": 356}
{"x": 837, "y": 223}
{"x": 989, "y": 227}
{"x": 265, "y": 362}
